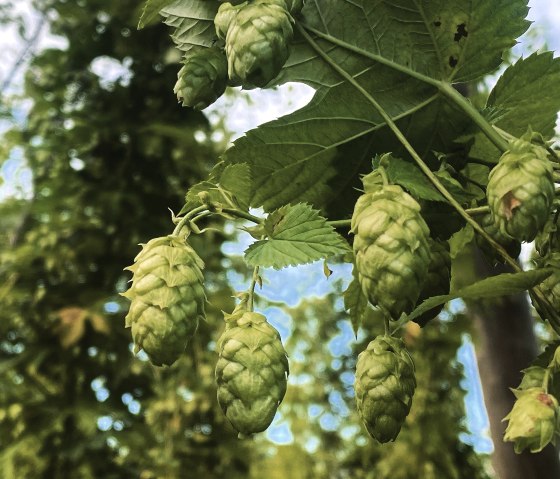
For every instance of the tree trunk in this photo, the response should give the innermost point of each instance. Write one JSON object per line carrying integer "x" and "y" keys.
{"x": 505, "y": 345}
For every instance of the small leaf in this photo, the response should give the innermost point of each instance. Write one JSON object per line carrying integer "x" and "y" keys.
{"x": 500, "y": 285}
{"x": 297, "y": 235}
{"x": 326, "y": 270}
{"x": 409, "y": 176}
{"x": 151, "y": 10}
{"x": 356, "y": 303}
{"x": 460, "y": 240}
{"x": 236, "y": 179}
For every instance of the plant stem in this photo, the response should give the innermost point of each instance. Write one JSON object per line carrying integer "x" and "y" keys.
{"x": 242, "y": 215}
{"x": 481, "y": 210}
{"x": 251, "y": 292}
{"x": 185, "y": 219}
{"x": 340, "y": 223}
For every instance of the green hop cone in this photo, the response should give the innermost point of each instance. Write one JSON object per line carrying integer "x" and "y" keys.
{"x": 533, "y": 420}
{"x": 521, "y": 190}
{"x": 202, "y": 79}
{"x": 167, "y": 298}
{"x": 257, "y": 42}
{"x": 512, "y": 246}
{"x": 391, "y": 249}
{"x": 438, "y": 279}
{"x": 251, "y": 372}
{"x": 384, "y": 387}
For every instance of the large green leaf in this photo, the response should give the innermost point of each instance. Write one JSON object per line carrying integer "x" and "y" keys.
{"x": 193, "y": 21}
{"x": 296, "y": 235}
{"x": 314, "y": 154}
{"x": 151, "y": 10}
{"x": 527, "y": 94}
{"x": 500, "y": 285}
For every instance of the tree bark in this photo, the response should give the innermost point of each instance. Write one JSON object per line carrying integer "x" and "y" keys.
{"x": 505, "y": 345}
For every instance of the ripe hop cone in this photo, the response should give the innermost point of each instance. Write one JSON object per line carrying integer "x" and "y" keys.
{"x": 203, "y": 78}
{"x": 533, "y": 420}
{"x": 391, "y": 249}
{"x": 251, "y": 372}
{"x": 512, "y": 246}
{"x": 521, "y": 190}
{"x": 438, "y": 279}
{"x": 384, "y": 387}
{"x": 167, "y": 298}
{"x": 257, "y": 41}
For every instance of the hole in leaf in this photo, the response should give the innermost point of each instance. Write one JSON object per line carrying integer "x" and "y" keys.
{"x": 461, "y": 32}
{"x": 452, "y": 61}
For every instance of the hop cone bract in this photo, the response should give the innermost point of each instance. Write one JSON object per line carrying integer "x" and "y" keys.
{"x": 438, "y": 279}
{"x": 551, "y": 285}
{"x": 521, "y": 190}
{"x": 167, "y": 295}
{"x": 203, "y": 78}
{"x": 391, "y": 248}
{"x": 533, "y": 420}
{"x": 257, "y": 42}
{"x": 251, "y": 372}
{"x": 384, "y": 387}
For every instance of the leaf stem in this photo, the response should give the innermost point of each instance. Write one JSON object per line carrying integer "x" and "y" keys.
{"x": 185, "y": 219}
{"x": 340, "y": 223}
{"x": 480, "y": 210}
{"x": 251, "y": 292}
{"x": 242, "y": 215}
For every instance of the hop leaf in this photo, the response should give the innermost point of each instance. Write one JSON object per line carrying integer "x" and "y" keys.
{"x": 521, "y": 190}
{"x": 437, "y": 281}
{"x": 384, "y": 387}
{"x": 167, "y": 298}
{"x": 257, "y": 40}
{"x": 391, "y": 249}
{"x": 203, "y": 78}
{"x": 251, "y": 372}
{"x": 532, "y": 421}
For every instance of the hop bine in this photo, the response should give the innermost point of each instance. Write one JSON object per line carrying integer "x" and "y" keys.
{"x": 520, "y": 190}
{"x": 384, "y": 387}
{"x": 167, "y": 298}
{"x": 251, "y": 372}
{"x": 391, "y": 249}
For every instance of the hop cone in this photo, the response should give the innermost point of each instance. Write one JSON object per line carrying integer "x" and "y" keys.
{"x": 384, "y": 387}
{"x": 203, "y": 78}
{"x": 257, "y": 42}
{"x": 391, "y": 249}
{"x": 167, "y": 297}
{"x": 437, "y": 281}
{"x": 512, "y": 246}
{"x": 521, "y": 190}
{"x": 251, "y": 372}
{"x": 533, "y": 419}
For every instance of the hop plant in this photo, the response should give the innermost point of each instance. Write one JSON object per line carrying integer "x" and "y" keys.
{"x": 384, "y": 387}
{"x": 512, "y": 246}
{"x": 251, "y": 372}
{"x": 257, "y": 37}
{"x": 533, "y": 420}
{"x": 391, "y": 249}
{"x": 521, "y": 190}
{"x": 548, "y": 240}
{"x": 437, "y": 280}
{"x": 167, "y": 298}
{"x": 203, "y": 78}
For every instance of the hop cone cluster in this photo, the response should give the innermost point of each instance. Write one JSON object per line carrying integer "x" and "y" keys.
{"x": 384, "y": 387}
{"x": 251, "y": 372}
{"x": 533, "y": 420}
{"x": 391, "y": 249}
{"x": 257, "y": 37}
{"x": 203, "y": 78}
{"x": 521, "y": 190}
{"x": 167, "y": 298}
{"x": 437, "y": 281}
{"x": 512, "y": 246}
